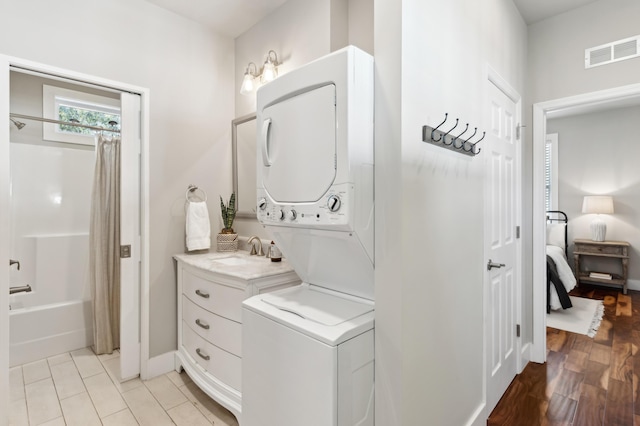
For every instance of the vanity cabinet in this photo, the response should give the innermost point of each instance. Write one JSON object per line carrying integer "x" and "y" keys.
{"x": 211, "y": 288}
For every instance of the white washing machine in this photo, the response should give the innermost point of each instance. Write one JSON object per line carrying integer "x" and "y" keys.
{"x": 308, "y": 351}
{"x": 310, "y": 359}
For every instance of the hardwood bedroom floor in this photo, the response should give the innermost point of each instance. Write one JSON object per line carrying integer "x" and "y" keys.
{"x": 584, "y": 381}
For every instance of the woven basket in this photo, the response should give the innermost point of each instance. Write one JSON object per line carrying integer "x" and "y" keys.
{"x": 227, "y": 242}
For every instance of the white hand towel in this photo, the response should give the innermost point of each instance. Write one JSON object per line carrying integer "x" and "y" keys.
{"x": 198, "y": 227}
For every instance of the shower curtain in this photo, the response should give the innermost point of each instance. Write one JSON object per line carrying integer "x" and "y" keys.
{"x": 104, "y": 240}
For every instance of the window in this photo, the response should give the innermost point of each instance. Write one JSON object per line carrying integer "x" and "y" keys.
{"x": 551, "y": 172}
{"x": 83, "y": 108}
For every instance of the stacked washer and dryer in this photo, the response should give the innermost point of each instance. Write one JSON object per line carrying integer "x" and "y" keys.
{"x": 308, "y": 351}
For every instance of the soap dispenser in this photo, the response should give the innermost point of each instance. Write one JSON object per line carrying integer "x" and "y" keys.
{"x": 274, "y": 253}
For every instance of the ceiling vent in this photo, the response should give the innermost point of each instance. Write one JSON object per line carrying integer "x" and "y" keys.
{"x": 612, "y": 52}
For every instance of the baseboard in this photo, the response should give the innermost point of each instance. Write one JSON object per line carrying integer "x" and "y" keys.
{"x": 161, "y": 364}
{"x": 479, "y": 417}
{"x": 525, "y": 356}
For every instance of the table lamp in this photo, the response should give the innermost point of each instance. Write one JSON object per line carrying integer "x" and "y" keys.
{"x": 598, "y": 204}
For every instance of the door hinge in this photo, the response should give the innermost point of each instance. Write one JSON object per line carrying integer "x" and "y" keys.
{"x": 125, "y": 251}
{"x": 518, "y": 231}
{"x": 517, "y": 330}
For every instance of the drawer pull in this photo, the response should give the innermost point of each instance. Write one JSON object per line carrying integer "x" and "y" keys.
{"x": 202, "y": 355}
{"x": 201, "y": 294}
{"x": 201, "y": 324}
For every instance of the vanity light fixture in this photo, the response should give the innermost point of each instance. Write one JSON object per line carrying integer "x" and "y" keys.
{"x": 248, "y": 85}
{"x": 269, "y": 73}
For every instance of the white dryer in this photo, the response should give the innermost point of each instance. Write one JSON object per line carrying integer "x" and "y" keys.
{"x": 308, "y": 351}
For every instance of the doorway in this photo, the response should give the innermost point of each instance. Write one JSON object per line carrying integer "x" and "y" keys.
{"x": 134, "y": 270}
{"x": 585, "y": 102}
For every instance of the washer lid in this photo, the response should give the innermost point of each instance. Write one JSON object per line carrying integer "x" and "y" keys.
{"x": 317, "y": 305}
{"x": 324, "y": 315}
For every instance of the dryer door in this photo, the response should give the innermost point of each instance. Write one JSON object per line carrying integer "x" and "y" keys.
{"x": 297, "y": 146}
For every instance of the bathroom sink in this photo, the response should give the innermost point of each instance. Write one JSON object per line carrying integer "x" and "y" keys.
{"x": 232, "y": 261}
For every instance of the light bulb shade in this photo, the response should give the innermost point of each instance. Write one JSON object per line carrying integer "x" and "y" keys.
{"x": 269, "y": 72}
{"x": 597, "y": 204}
{"x": 248, "y": 86}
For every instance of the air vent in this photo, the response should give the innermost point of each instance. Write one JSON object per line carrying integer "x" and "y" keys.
{"x": 612, "y": 52}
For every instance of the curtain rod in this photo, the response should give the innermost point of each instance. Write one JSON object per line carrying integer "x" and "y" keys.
{"x": 67, "y": 123}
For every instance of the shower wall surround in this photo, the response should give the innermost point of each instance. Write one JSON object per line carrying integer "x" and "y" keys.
{"x": 49, "y": 233}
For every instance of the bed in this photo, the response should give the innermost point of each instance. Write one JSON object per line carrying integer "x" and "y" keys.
{"x": 560, "y": 278}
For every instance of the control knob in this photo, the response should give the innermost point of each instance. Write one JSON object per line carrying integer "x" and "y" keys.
{"x": 280, "y": 214}
{"x": 292, "y": 215}
{"x": 262, "y": 203}
{"x": 333, "y": 203}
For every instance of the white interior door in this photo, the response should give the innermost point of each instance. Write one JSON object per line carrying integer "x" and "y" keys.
{"x": 4, "y": 242}
{"x": 130, "y": 236}
{"x": 501, "y": 246}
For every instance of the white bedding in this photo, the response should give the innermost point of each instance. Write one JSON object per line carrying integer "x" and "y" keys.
{"x": 564, "y": 271}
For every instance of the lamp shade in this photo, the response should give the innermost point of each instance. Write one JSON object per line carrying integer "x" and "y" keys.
{"x": 247, "y": 84}
{"x": 597, "y": 204}
{"x": 269, "y": 72}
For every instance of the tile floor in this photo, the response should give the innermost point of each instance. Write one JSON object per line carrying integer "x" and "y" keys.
{"x": 80, "y": 388}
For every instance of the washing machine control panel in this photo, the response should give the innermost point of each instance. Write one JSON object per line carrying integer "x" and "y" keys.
{"x": 332, "y": 211}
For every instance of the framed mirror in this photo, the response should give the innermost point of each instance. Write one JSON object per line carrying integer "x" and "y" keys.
{"x": 243, "y": 137}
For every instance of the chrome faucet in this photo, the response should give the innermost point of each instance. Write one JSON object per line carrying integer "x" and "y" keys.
{"x": 14, "y": 262}
{"x": 253, "y": 247}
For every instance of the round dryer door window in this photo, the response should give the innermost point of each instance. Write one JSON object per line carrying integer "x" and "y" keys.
{"x": 297, "y": 144}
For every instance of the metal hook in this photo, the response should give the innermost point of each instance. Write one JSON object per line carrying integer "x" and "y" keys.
{"x": 465, "y": 143}
{"x": 453, "y": 140}
{"x": 446, "y": 114}
{"x": 444, "y": 137}
{"x": 473, "y": 145}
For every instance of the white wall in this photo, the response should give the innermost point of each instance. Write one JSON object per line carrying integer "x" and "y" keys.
{"x": 390, "y": 243}
{"x": 189, "y": 71}
{"x": 556, "y": 50}
{"x": 598, "y": 155}
{"x": 429, "y": 221}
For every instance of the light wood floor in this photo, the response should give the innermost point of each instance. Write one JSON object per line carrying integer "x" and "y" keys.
{"x": 80, "y": 388}
{"x": 584, "y": 381}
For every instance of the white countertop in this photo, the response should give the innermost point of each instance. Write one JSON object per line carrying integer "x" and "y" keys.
{"x": 237, "y": 264}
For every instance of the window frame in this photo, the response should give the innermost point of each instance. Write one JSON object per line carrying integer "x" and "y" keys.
{"x": 551, "y": 167}
{"x": 53, "y": 97}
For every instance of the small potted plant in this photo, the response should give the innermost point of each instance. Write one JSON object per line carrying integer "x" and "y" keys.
{"x": 227, "y": 238}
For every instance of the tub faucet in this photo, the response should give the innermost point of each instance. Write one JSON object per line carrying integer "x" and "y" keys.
{"x": 20, "y": 289}
{"x": 14, "y": 262}
{"x": 253, "y": 247}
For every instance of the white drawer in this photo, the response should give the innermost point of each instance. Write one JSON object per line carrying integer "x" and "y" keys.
{"x": 221, "y": 364}
{"x": 220, "y": 331}
{"x": 217, "y": 298}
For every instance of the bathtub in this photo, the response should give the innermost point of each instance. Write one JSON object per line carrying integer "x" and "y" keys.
{"x": 43, "y": 331}
{"x": 55, "y": 317}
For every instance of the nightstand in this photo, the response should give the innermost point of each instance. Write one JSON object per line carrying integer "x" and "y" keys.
{"x": 615, "y": 250}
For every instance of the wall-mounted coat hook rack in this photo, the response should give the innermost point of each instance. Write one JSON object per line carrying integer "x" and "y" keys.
{"x": 453, "y": 142}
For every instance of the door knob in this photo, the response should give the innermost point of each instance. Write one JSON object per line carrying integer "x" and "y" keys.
{"x": 491, "y": 264}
